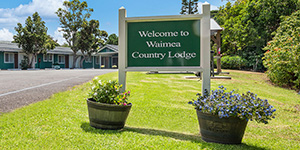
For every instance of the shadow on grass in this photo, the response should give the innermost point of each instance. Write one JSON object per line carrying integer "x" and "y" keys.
{"x": 85, "y": 126}
{"x": 189, "y": 137}
{"x": 175, "y": 135}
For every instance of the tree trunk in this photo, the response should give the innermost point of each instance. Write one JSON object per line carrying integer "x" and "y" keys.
{"x": 74, "y": 61}
{"x": 81, "y": 61}
{"x": 75, "y": 57}
{"x": 31, "y": 63}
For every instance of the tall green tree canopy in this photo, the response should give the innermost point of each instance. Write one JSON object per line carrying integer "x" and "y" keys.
{"x": 249, "y": 24}
{"x": 33, "y": 38}
{"x": 91, "y": 38}
{"x": 189, "y": 7}
{"x": 79, "y": 33}
{"x": 112, "y": 39}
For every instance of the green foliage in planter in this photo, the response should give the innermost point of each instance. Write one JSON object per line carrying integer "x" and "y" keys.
{"x": 227, "y": 104}
{"x": 108, "y": 92}
{"x": 282, "y": 57}
{"x": 233, "y": 62}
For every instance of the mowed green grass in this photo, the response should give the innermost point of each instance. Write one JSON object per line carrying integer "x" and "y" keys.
{"x": 160, "y": 118}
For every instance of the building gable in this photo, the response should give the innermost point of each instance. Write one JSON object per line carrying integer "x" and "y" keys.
{"x": 109, "y": 49}
{"x": 106, "y": 50}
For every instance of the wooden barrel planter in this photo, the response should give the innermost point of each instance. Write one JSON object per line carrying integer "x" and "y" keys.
{"x": 221, "y": 130}
{"x": 107, "y": 116}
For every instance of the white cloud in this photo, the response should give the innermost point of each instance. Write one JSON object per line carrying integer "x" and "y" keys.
{"x": 58, "y": 35}
{"x": 212, "y": 7}
{"x": 6, "y": 35}
{"x": 43, "y": 7}
{"x": 9, "y": 17}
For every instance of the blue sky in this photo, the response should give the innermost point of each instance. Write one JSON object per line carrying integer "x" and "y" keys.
{"x": 106, "y": 11}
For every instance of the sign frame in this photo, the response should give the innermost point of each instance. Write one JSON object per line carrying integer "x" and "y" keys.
{"x": 204, "y": 66}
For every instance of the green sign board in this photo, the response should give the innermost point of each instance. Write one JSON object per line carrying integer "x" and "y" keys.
{"x": 163, "y": 43}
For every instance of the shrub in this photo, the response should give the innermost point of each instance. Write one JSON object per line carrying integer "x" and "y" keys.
{"x": 108, "y": 92}
{"x": 24, "y": 63}
{"x": 233, "y": 62}
{"x": 282, "y": 56}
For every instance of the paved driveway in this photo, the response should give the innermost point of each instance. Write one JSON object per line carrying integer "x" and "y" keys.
{"x": 20, "y": 88}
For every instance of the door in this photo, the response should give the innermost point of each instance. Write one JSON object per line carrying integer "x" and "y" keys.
{"x": 107, "y": 62}
{"x": 16, "y": 62}
{"x": 66, "y": 61}
{"x": 104, "y": 62}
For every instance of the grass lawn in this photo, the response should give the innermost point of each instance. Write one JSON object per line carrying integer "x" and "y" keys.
{"x": 160, "y": 118}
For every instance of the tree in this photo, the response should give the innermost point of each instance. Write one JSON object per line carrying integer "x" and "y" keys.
{"x": 189, "y": 7}
{"x": 65, "y": 45}
{"x": 90, "y": 39}
{"x": 33, "y": 38}
{"x": 282, "y": 56}
{"x": 112, "y": 39}
{"x": 248, "y": 26}
{"x": 72, "y": 19}
{"x": 81, "y": 35}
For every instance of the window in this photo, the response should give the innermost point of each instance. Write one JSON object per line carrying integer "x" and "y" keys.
{"x": 88, "y": 59}
{"x": 8, "y": 58}
{"x": 115, "y": 61}
{"x": 97, "y": 59}
{"x": 61, "y": 59}
{"x": 48, "y": 58}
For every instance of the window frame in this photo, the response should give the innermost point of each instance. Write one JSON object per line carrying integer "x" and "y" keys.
{"x": 46, "y": 57}
{"x": 64, "y": 59}
{"x": 11, "y": 59}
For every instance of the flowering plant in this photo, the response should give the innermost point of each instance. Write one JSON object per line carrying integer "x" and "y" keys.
{"x": 108, "y": 92}
{"x": 227, "y": 104}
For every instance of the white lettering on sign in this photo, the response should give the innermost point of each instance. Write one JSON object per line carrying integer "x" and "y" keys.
{"x": 184, "y": 33}
{"x": 182, "y": 55}
{"x": 158, "y": 34}
{"x": 148, "y": 55}
{"x": 163, "y": 44}
{"x": 161, "y": 56}
{"x": 160, "y": 44}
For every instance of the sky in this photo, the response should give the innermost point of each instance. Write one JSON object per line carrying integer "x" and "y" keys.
{"x": 106, "y": 11}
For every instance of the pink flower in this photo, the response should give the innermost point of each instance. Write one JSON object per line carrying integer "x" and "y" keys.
{"x": 124, "y": 104}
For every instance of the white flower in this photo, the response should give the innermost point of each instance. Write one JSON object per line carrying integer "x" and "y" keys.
{"x": 96, "y": 78}
{"x": 100, "y": 82}
{"x": 93, "y": 87}
{"x": 95, "y": 94}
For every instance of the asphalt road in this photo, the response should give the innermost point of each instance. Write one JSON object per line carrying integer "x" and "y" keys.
{"x": 20, "y": 88}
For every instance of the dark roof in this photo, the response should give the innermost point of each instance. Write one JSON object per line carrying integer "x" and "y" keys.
{"x": 61, "y": 50}
{"x": 9, "y": 47}
{"x": 6, "y": 46}
{"x": 110, "y": 46}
